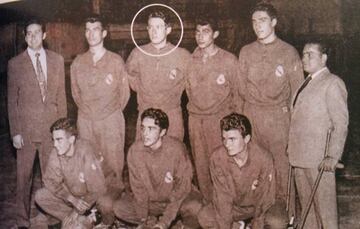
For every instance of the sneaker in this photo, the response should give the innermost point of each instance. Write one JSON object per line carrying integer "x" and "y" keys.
{"x": 119, "y": 225}
{"x": 239, "y": 225}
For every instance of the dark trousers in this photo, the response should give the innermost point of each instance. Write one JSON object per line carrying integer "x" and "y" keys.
{"x": 25, "y": 163}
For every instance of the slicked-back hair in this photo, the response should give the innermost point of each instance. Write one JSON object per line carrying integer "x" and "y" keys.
{"x": 160, "y": 117}
{"x": 265, "y": 7}
{"x": 321, "y": 46}
{"x": 161, "y": 15}
{"x": 204, "y": 20}
{"x": 236, "y": 121}
{"x": 35, "y": 21}
{"x": 92, "y": 18}
{"x": 66, "y": 124}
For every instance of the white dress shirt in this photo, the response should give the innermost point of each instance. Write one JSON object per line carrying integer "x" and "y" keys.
{"x": 318, "y": 72}
{"x": 42, "y": 58}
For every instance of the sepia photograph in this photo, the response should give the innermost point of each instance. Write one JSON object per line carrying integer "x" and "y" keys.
{"x": 179, "y": 114}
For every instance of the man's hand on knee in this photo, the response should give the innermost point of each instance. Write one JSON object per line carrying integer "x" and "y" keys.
{"x": 80, "y": 205}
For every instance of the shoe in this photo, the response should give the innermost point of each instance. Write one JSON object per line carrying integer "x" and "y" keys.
{"x": 239, "y": 225}
{"x": 39, "y": 222}
{"x": 55, "y": 226}
{"x": 120, "y": 225}
{"x": 102, "y": 226}
{"x": 178, "y": 225}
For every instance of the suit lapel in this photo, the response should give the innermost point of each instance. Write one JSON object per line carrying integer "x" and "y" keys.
{"x": 51, "y": 75}
{"x": 296, "y": 92}
{"x": 50, "y": 69}
{"x": 312, "y": 84}
{"x": 29, "y": 68}
{"x": 28, "y": 65}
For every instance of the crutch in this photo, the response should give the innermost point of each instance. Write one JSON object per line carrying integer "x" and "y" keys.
{"x": 316, "y": 184}
{"x": 288, "y": 195}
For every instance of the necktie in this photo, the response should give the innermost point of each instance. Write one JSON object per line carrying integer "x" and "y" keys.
{"x": 40, "y": 77}
{"x": 306, "y": 82}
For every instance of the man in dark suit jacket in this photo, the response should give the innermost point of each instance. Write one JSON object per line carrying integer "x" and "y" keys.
{"x": 36, "y": 98}
{"x": 320, "y": 104}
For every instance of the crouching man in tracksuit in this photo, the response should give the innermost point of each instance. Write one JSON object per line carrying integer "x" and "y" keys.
{"x": 160, "y": 178}
{"x": 73, "y": 178}
{"x": 243, "y": 176}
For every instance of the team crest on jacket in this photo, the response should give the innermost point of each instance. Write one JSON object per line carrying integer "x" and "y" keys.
{"x": 220, "y": 79}
{"x": 81, "y": 177}
{"x": 254, "y": 184}
{"x": 109, "y": 79}
{"x": 279, "y": 71}
{"x": 172, "y": 74}
{"x": 93, "y": 166}
{"x": 101, "y": 157}
{"x": 285, "y": 109}
{"x": 168, "y": 177}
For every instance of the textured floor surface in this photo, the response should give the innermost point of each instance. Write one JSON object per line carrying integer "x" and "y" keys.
{"x": 348, "y": 191}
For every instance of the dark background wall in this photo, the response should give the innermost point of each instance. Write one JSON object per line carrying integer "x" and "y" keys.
{"x": 337, "y": 22}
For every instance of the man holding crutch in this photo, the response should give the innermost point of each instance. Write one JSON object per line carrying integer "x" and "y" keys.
{"x": 319, "y": 104}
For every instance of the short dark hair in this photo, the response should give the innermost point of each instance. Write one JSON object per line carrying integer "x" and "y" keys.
{"x": 205, "y": 20}
{"x": 266, "y": 7}
{"x": 160, "y": 14}
{"x": 36, "y": 21}
{"x": 66, "y": 124}
{"x": 160, "y": 117}
{"x": 92, "y": 18}
{"x": 321, "y": 46}
{"x": 236, "y": 121}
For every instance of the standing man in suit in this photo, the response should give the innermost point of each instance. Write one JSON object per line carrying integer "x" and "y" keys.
{"x": 270, "y": 73}
{"x": 101, "y": 91}
{"x": 36, "y": 98}
{"x": 158, "y": 76}
{"x": 319, "y": 104}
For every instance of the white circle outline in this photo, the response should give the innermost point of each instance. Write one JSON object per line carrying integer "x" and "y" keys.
{"x": 132, "y": 34}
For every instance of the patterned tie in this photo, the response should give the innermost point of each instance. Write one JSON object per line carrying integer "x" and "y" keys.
{"x": 306, "y": 82}
{"x": 40, "y": 77}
